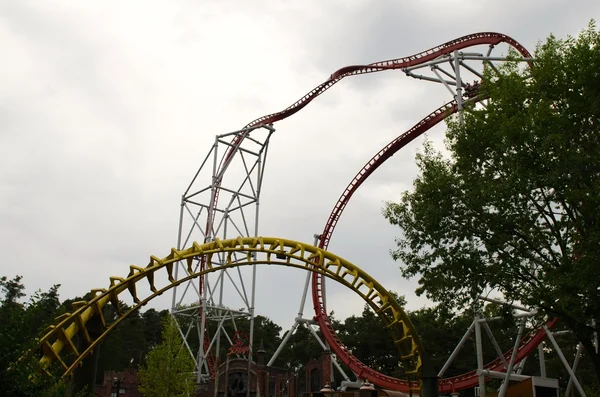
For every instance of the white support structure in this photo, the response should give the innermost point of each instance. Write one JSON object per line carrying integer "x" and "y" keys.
{"x": 573, "y": 369}
{"x": 512, "y": 369}
{"x": 542, "y": 358}
{"x": 499, "y": 351}
{"x": 564, "y": 361}
{"x": 218, "y": 205}
{"x": 454, "y": 69}
{"x": 479, "y": 350}
{"x": 511, "y": 363}
{"x": 457, "y": 349}
{"x": 299, "y": 320}
{"x": 502, "y": 375}
{"x": 521, "y": 366}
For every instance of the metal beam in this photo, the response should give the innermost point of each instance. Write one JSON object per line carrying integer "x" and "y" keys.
{"x": 564, "y": 361}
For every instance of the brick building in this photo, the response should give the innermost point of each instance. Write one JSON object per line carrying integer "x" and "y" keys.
{"x": 232, "y": 379}
{"x": 118, "y": 384}
{"x": 317, "y": 373}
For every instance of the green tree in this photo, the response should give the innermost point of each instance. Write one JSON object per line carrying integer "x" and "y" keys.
{"x": 169, "y": 367}
{"x": 20, "y": 324}
{"x": 440, "y": 332}
{"x": 152, "y": 326}
{"x": 515, "y": 205}
{"x": 370, "y": 341}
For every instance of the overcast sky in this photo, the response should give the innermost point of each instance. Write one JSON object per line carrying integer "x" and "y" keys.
{"x": 107, "y": 109}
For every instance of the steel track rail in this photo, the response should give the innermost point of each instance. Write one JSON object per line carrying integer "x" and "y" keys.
{"x": 60, "y": 343}
{"x": 446, "y": 385}
{"x": 487, "y": 38}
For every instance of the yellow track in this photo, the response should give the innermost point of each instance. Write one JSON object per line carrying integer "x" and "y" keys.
{"x": 237, "y": 252}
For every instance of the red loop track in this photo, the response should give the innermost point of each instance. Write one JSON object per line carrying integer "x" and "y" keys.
{"x": 464, "y": 381}
{"x": 447, "y": 385}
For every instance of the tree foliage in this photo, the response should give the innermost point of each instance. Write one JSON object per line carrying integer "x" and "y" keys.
{"x": 515, "y": 206}
{"x": 20, "y": 325}
{"x": 168, "y": 370}
{"x": 364, "y": 334}
{"x": 369, "y": 340}
{"x": 23, "y": 321}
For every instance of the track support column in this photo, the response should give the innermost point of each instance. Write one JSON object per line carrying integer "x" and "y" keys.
{"x": 564, "y": 361}
{"x": 512, "y": 360}
{"x": 542, "y": 360}
{"x": 479, "y": 346}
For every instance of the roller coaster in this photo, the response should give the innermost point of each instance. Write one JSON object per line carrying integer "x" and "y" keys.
{"x": 447, "y": 64}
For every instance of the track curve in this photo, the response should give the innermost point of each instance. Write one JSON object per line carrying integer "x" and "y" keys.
{"x": 489, "y": 38}
{"x": 446, "y": 385}
{"x": 69, "y": 327}
{"x": 456, "y": 383}
{"x": 321, "y": 316}
{"x": 482, "y": 38}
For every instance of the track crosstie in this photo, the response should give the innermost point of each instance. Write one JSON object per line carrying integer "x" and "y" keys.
{"x": 70, "y": 340}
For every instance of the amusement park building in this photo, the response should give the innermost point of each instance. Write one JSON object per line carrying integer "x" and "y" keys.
{"x": 231, "y": 380}
{"x": 121, "y": 384}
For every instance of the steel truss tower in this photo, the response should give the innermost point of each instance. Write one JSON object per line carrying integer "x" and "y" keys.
{"x": 214, "y": 206}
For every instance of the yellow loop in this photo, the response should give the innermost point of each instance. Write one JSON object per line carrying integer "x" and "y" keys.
{"x": 259, "y": 250}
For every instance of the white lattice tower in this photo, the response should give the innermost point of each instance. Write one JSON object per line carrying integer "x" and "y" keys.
{"x": 221, "y": 201}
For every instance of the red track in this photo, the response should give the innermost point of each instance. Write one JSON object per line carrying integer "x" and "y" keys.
{"x": 447, "y": 385}
{"x": 456, "y": 383}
